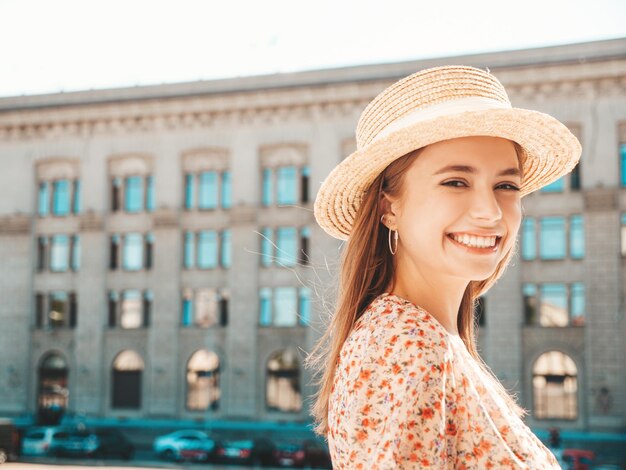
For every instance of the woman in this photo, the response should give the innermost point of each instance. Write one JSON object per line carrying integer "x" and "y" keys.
{"x": 430, "y": 207}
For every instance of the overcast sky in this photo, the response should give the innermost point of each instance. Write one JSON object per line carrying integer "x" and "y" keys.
{"x": 53, "y": 45}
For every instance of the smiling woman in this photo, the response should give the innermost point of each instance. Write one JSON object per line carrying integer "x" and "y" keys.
{"x": 430, "y": 205}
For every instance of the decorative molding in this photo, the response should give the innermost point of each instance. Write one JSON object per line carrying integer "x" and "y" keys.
{"x": 601, "y": 199}
{"x": 165, "y": 218}
{"x": 243, "y": 215}
{"x": 283, "y": 154}
{"x": 130, "y": 164}
{"x": 205, "y": 159}
{"x": 91, "y": 222}
{"x": 17, "y": 224}
{"x": 56, "y": 168}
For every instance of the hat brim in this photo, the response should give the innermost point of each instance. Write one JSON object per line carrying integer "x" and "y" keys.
{"x": 550, "y": 151}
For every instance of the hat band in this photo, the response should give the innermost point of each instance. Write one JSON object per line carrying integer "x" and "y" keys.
{"x": 469, "y": 103}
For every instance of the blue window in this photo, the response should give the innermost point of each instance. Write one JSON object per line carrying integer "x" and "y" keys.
{"x": 132, "y": 255}
{"x": 207, "y": 249}
{"x": 529, "y": 291}
{"x": 75, "y": 257}
{"x": 187, "y": 319}
{"x": 268, "y": 187}
{"x": 286, "y": 186}
{"x": 267, "y": 247}
{"x": 529, "y": 239}
{"x": 553, "y": 310}
{"x": 578, "y": 303}
{"x": 61, "y": 197}
{"x": 189, "y": 256}
{"x": 190, "y": 191}
{"x": 76, "y": 202}
{"x": 226, "y": 249}
{"x": 304, "y": 307}
{"x": 134, "y": 194}
{"x": 576, "y": 237}
{"x": 60, "y": 253}
{"x": 44, "y": 199}
{"x": 150, "y": 193}
{"x": 552, "y": 241}
{"x": 555, "y": 187}
{"x": 623, "y": 164}
{"x": 305, "y": 235}
{"x": 265, "y": 306}
{"x": 208, "y": 190}
{"x": 286, "y": 246}
{"x": 226, "y": 190}
{"x": 285, "y": 306}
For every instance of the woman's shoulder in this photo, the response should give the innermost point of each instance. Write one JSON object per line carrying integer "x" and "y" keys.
{"x": 389, "y": 318}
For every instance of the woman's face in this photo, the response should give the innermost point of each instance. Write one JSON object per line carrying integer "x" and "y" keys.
{"x": 459, "y": 209}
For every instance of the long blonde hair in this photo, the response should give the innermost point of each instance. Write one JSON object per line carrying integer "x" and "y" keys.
{"x": 366, "y": 271}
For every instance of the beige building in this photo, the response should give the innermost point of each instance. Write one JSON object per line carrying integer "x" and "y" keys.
{"x": 160, "y": 259}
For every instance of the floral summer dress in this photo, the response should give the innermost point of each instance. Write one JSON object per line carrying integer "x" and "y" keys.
{"x": 408, "y": 395}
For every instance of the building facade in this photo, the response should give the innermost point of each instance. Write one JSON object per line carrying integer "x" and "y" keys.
{"x": 160, "y": 259}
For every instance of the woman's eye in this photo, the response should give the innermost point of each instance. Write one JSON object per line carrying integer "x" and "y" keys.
{"x": 508, "y": 187}
{"x": 454, "y": 183}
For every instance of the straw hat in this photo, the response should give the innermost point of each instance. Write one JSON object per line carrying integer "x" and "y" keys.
{"x": 432, "y": 105}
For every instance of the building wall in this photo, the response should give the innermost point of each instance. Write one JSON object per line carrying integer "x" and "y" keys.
{"x": 308, "y": 117}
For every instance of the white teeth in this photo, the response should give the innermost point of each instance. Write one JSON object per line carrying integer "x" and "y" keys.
{"x": 474, "y": 241}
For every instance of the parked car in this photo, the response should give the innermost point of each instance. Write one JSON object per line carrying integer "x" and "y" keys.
{"x": 111, "y": 442}
{"x": 9, "y": 441}
{"x": 248, "y": 451}
{"x": 75, "y": 443}
{"x": 38, "y": 441}
{"x": 577, "y": 459}
{"x": 289, "y": 454}
{"x": 185, "y": 445}
{"x": 317, "y": 454}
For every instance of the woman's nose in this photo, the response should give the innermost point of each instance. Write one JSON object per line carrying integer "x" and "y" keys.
{"x": 485, "y": 206}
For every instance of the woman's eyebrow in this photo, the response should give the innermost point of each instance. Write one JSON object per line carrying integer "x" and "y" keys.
{"x": 471, "y": 169}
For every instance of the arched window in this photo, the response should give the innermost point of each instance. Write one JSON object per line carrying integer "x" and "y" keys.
{"x": 53, "y": 393}
{"x": 203, "y": 378}
{"x": 126, "y": 380}
{"x": 555, "y": 386}
{"x": 283, "y": 382}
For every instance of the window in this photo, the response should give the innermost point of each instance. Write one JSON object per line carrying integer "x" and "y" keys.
{"x": 114, "y": 251}
{"x": 214, "y": 249}
{"x": 75, "y": 253}
{"x": 149, "y": 250}
{"x": 286, "y": 246}
{"x": 283, "y": 382}
{"x": 132, "y": 253}
{"x": 130, "y": 309}
{"x": 203, "y": 389}
{"x": 576, "y": 237}
{"x": 554, "y": 304}
{"x": 133, "y": 196}
{"x": 205, "y": 307}
{"x": 127, "y": 370}
{"x": 555, "y": 386}
{"x": 189, "y": 255}
{"x": 552, "y": 241}
{"x": 61, "y": 197}
{"x": 43, "y": 199}
{"x": 623, "y": 165}
{"x": 52, "y": 387}
{"x": 529, "y": 240}
{"x": 60, "y": 253}
{"x": 150, "y": 193}
{"x": 76, "y": 197}
{"x": 287, "y": 185}
{"x": 574, "y": 178}
{"x": 42, "y": 253}
{"x": 62, "y": 310}
{"x": 288, "y": 249}
{"x": 116, "y": 191}
{"x": 214, "y": 189}
{"x": 284, "y": 306}
{"x": 555, "y": 187}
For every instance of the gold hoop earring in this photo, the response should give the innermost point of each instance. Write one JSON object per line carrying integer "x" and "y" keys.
{"x": 395, "y": 236}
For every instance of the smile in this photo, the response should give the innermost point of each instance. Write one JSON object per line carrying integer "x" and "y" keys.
{"x": 484, "y": 244}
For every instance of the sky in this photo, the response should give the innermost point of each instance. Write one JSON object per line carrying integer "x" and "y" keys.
{"x": 48, "y": 46}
